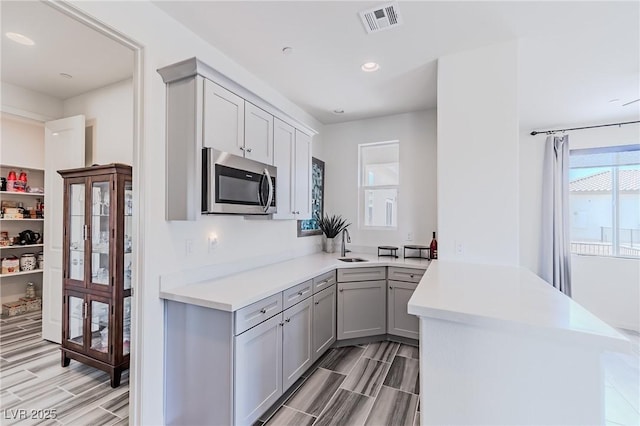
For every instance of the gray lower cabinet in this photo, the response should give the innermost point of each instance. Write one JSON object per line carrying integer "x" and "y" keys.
{"x": 324, "y": 320}
{"x": 297, "y": 332}
{"x": 399, "y": 322}
{"x": 257, "y": 370}
{"x": 362, "y": 308}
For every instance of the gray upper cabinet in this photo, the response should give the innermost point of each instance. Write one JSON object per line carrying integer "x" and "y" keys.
{"x": 297, "y": 341}
{"x": 361, "y": 308}
{"x": 292, "y": 157}
{"x": 324, "y": 320}
{"x": 401, "y": 323}
{"x": 207, "y": 109}
{"x": 223, "y": 119}
{"x": 258, "y": 134}
{"x": 257, "y": 370}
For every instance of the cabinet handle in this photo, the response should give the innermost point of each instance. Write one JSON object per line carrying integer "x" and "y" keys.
{"x": 281, "y": 324}
{"x": 390, "y": 288}
{"x": 341, "y": 290}
{"x": 411, "y": 275}
{"x": 287, "y": 320}
{"x": 263, "y": 310}
{"x": 318, "y": 302}
{"x": 300, "y": 293}
{"x": 85, "y": 232}
{"x": 248, "y": 150}
{"x": 242, "y": 148}
{"x": 84, "y": 311}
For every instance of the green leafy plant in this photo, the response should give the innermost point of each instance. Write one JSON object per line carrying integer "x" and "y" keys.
{"x": 332, "y": 226}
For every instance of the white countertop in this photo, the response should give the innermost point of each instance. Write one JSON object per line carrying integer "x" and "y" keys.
{"x": 505, "y": 296}
{"x": 236, "y": 291}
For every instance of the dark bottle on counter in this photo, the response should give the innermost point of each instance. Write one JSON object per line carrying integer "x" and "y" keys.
{"x": 433, "y": 247}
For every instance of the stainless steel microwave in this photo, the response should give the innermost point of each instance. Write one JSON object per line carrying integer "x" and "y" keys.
{"x": 236, "y": 185}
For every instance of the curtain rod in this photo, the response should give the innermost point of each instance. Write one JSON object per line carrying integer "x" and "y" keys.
{"x": 551, "y": 132}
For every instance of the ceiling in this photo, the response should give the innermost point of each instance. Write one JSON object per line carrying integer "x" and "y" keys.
{"x": 575, "y": 56}
{"x": 62, "y": 45}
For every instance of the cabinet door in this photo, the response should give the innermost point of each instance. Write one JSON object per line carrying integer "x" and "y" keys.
{"x": 362, "y": 309}
{"x": 324, "y": 321}
{"x": 284, "y": 139}
{"x": 401, "y": 323}
{"x": 75, "y": 232}
{"x": 223, "y": 119}
{"x": 258, "y": 370}
{"x": 74, "y": 320}
{"x": 302, "y": 198}
{"x": 101, "y": 233}
{"x": 100, "y": 331}
{"x": 297, "y": 354}
{"x": 258, "y": 134}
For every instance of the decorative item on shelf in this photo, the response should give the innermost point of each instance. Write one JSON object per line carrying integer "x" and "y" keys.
{"x": 41, "y": 260}
{"x": 3, "y": 184}
{"x": 28, "y": 237}
{"x": 30, "y": 291}
{"x": 31, "y": 303}
{"x": 4, "y": 239}
{"x": 22, "y": 182}
{"x": 28, "y": 262}
{"x": 13, "y": 308}
{"x": 331, "y": 227}
{"x": 11, "y": 181}
{"x": 10, "y": 265}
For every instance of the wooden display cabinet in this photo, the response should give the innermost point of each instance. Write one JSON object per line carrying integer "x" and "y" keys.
{"x": 97, "y": 259}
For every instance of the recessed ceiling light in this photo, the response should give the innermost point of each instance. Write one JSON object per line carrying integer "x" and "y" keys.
{"x": 19, "y": 38}
{"x": 65, "y": 75}
{"x": 287, "y": 50}
{"x": 338, "y": 111}
{"x": 370, "y": 67}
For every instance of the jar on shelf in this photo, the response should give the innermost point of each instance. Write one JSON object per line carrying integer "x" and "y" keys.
{"x": 28, "y": 262}
{"x": 30, "y": 292}
{"x": 41, "y": 260}
{"x": 10, "y": 264}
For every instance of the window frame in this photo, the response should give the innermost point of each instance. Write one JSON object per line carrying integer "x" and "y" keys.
{"x": 362, "y": 188}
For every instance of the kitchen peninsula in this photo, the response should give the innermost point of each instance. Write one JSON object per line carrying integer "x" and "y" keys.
{"x": 501, "y": 346}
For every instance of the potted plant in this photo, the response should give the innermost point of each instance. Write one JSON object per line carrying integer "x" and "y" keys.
{"x": 331, "y": 227}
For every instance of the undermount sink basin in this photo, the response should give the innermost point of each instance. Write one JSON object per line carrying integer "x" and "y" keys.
{"x": 352, "y": 259}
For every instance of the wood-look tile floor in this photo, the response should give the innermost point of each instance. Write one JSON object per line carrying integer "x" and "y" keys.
{"x": 31, "y": 378}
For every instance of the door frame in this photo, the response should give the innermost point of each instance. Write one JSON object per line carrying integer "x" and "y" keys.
{"x": 137, "y": 290}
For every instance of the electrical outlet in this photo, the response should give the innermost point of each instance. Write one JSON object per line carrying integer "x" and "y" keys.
{"x": 188, "y": 246}
{"x": 459, "y": 247}
{"x": 410, "y": 236}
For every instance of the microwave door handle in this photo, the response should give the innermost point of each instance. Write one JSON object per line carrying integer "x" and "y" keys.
{"x": 270, "y": 199}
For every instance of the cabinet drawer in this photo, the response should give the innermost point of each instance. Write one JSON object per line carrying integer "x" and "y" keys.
{"x": 255, "y": 313}
{"x": 405, "y": 274}
{"x": 323, "y": 281}
{"x": 361, "y": 274}
{"x": 297, "y": 293}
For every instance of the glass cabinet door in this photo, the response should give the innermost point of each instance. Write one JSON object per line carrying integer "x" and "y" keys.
{"x": 99, "y": 326}
{"x": 100, "y": 232}
{"x": 126, "y": 325}
{"x": 128, "y": 234}
{"x": 77, "y": 231}
{"x": 75, "y": 324}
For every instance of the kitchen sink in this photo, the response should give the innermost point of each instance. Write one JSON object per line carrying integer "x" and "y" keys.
{"x": 352, "y": 259}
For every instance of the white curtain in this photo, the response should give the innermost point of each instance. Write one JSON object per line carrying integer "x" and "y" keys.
{"x": 556, "y": 251}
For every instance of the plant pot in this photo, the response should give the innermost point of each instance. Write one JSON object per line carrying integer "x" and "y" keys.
{"x": 329, "y": 245}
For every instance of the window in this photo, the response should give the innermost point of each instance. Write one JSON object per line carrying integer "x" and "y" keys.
{"x": 604, "y": 196}
{"x": 379, "y": 170}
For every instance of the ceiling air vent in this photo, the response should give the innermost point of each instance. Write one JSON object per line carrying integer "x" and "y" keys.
{"x": 381, "y": 18}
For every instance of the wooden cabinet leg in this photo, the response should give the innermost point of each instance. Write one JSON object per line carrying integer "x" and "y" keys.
{"x": 115, "y": 378}
{"x": 64, "y": 360}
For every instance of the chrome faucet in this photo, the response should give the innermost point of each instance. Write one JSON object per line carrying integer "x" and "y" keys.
{"x": 343, "y": 250}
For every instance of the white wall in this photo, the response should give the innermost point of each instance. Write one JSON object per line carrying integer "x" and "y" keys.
{"x": 606, "y": 286}
{"x": 165, "y": 41}
{"x": 111, "y": 110}
{"x": 478, "y": 155}
{"x": 417, "y": 192}
{"x": 22, "y": 142}
{"x": 27, "y": 103}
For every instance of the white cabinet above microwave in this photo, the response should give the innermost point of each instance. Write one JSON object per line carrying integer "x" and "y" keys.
{"x": 206, "y": 109}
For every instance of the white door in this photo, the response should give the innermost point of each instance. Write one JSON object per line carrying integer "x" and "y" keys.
{"x": 284, "y": 139}
{"x": 258, "y": 134}
{"x": 223, "y": 119}
{"x": 63, "y": 149}
{"x": 303, "y": 176}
